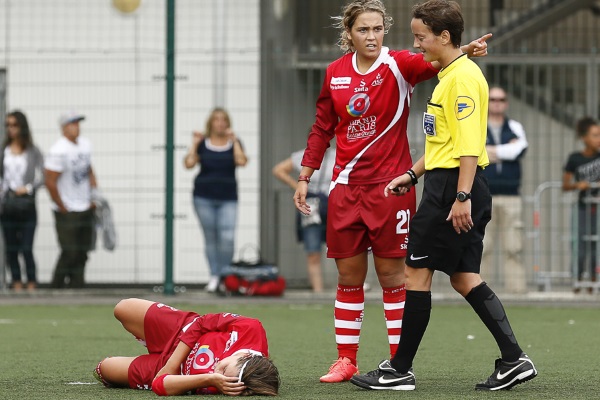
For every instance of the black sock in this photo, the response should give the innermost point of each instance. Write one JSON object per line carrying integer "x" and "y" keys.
{"x": 490, "y": 310}
{"x": 417, "y": 310}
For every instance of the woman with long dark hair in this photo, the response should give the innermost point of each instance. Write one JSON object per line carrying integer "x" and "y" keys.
{"x": 21, "y": 174}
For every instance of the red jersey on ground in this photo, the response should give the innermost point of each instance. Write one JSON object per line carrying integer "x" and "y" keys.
{"x": 368, "y": 115}
{"x": 213, "y": 337}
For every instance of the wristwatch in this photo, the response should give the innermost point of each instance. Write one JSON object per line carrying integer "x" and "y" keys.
{"x": 462, "y": 196}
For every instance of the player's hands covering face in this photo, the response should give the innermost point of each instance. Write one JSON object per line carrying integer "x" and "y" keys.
{"x": 227, "y": 385}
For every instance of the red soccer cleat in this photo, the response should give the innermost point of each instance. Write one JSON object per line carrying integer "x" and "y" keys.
{"x": 341, "y": 371}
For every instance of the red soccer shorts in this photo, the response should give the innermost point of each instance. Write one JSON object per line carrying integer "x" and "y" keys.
{"x": 360, "y": 216}
{"x": 162, "y": 327}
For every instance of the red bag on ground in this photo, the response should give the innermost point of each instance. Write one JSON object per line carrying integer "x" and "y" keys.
{"x": 235, "y": 285}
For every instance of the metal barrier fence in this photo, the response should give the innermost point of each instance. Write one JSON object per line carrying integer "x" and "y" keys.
{"x": 565, "y": 237}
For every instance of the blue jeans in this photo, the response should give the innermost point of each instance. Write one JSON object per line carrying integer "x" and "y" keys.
{"x": 312, "y": 236}
{"x": 218, "y": 220}
{"x": 19, "y": 231}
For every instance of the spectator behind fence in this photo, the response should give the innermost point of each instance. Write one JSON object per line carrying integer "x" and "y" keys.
{"x": 364, "y": 103}
{"x": 190, "y": 353}
{"x": 22, "y": 174}
{"x": 582, "y": 170}
{"x": 310, "y": 228}
{"x": 215, "y": 196}
{"x": 506, "y": 144}
{"x": 70, "y": 179}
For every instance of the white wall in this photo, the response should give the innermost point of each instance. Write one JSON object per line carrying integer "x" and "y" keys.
{"x": 86, "y": 55}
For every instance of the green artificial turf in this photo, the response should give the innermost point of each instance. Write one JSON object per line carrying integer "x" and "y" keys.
{"x": 48, "y": 352}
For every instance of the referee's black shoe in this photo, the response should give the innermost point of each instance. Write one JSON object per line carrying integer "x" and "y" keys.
{"x": 385, "y": 377}
{"x": 509, "y": 374}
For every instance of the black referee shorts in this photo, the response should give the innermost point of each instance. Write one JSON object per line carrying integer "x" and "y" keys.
{"x": 432, "y": 241}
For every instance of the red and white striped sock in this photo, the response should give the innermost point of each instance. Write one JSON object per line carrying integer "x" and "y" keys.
{"x": 393, "y": 308}
{"x": 348, "y": 314}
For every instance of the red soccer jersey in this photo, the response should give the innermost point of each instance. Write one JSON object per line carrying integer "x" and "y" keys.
{"x": 212, "y": 337}
{"x": 368, "y": 114}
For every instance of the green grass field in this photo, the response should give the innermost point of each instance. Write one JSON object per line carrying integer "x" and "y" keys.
{"x": 48, "y": 352}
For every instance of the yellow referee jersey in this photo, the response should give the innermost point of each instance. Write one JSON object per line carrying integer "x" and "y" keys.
{"x": 455, "y": 123}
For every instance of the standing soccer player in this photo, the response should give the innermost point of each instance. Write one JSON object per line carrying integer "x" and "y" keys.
{"x": 364, "y": 104}
{"x": 448, "y": 229}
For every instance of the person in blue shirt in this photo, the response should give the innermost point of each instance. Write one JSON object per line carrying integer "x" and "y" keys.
{"x": 218, "y": 152}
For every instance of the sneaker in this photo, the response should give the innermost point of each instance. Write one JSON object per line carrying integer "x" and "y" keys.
{"x": 509, "y": 374}
{"x": 213, "y": 284}
{"x": 340, "y": 371}
{"x": 385, "y": 377}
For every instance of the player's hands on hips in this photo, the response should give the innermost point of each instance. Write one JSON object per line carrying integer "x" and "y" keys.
{"x": 460, "y": 216}
{"x": 300, "y": 198}
{"x": 227, "y": 385}
{"x": 478, "y": 47}
{"x": 399, "y": 186}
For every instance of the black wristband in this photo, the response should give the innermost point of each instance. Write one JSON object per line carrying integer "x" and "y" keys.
{"x": 413, "y": 177}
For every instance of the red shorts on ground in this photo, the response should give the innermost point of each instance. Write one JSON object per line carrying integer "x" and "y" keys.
{"x": 360, "y": 216}
{"x": 162, "y": 327}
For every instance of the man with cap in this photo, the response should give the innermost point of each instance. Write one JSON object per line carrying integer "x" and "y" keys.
{"x": 70, "y": 180}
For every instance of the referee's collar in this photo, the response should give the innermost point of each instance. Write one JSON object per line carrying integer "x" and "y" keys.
{"x": 457, "y": 61}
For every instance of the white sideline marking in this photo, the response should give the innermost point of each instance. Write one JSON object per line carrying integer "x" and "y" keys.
{"x": 82, "y": 383}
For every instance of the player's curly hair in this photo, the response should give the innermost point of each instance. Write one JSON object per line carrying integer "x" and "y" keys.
{"x": 350, "y": 12}
{"x": 260, "y": 376}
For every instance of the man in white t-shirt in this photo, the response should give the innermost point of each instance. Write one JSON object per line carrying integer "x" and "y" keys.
{"x": 69, "y": 180}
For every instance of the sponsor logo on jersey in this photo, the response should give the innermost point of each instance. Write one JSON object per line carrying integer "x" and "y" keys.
{"x": 204, "y": 358}
{"x": 464, "y": 107}
{"x": 358, "y": 104}
{"x": 343, "y": 80}
{"x": 362, "y": 128}
{"x": 363, "y": 87}
{"x": 378, "y": 81}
